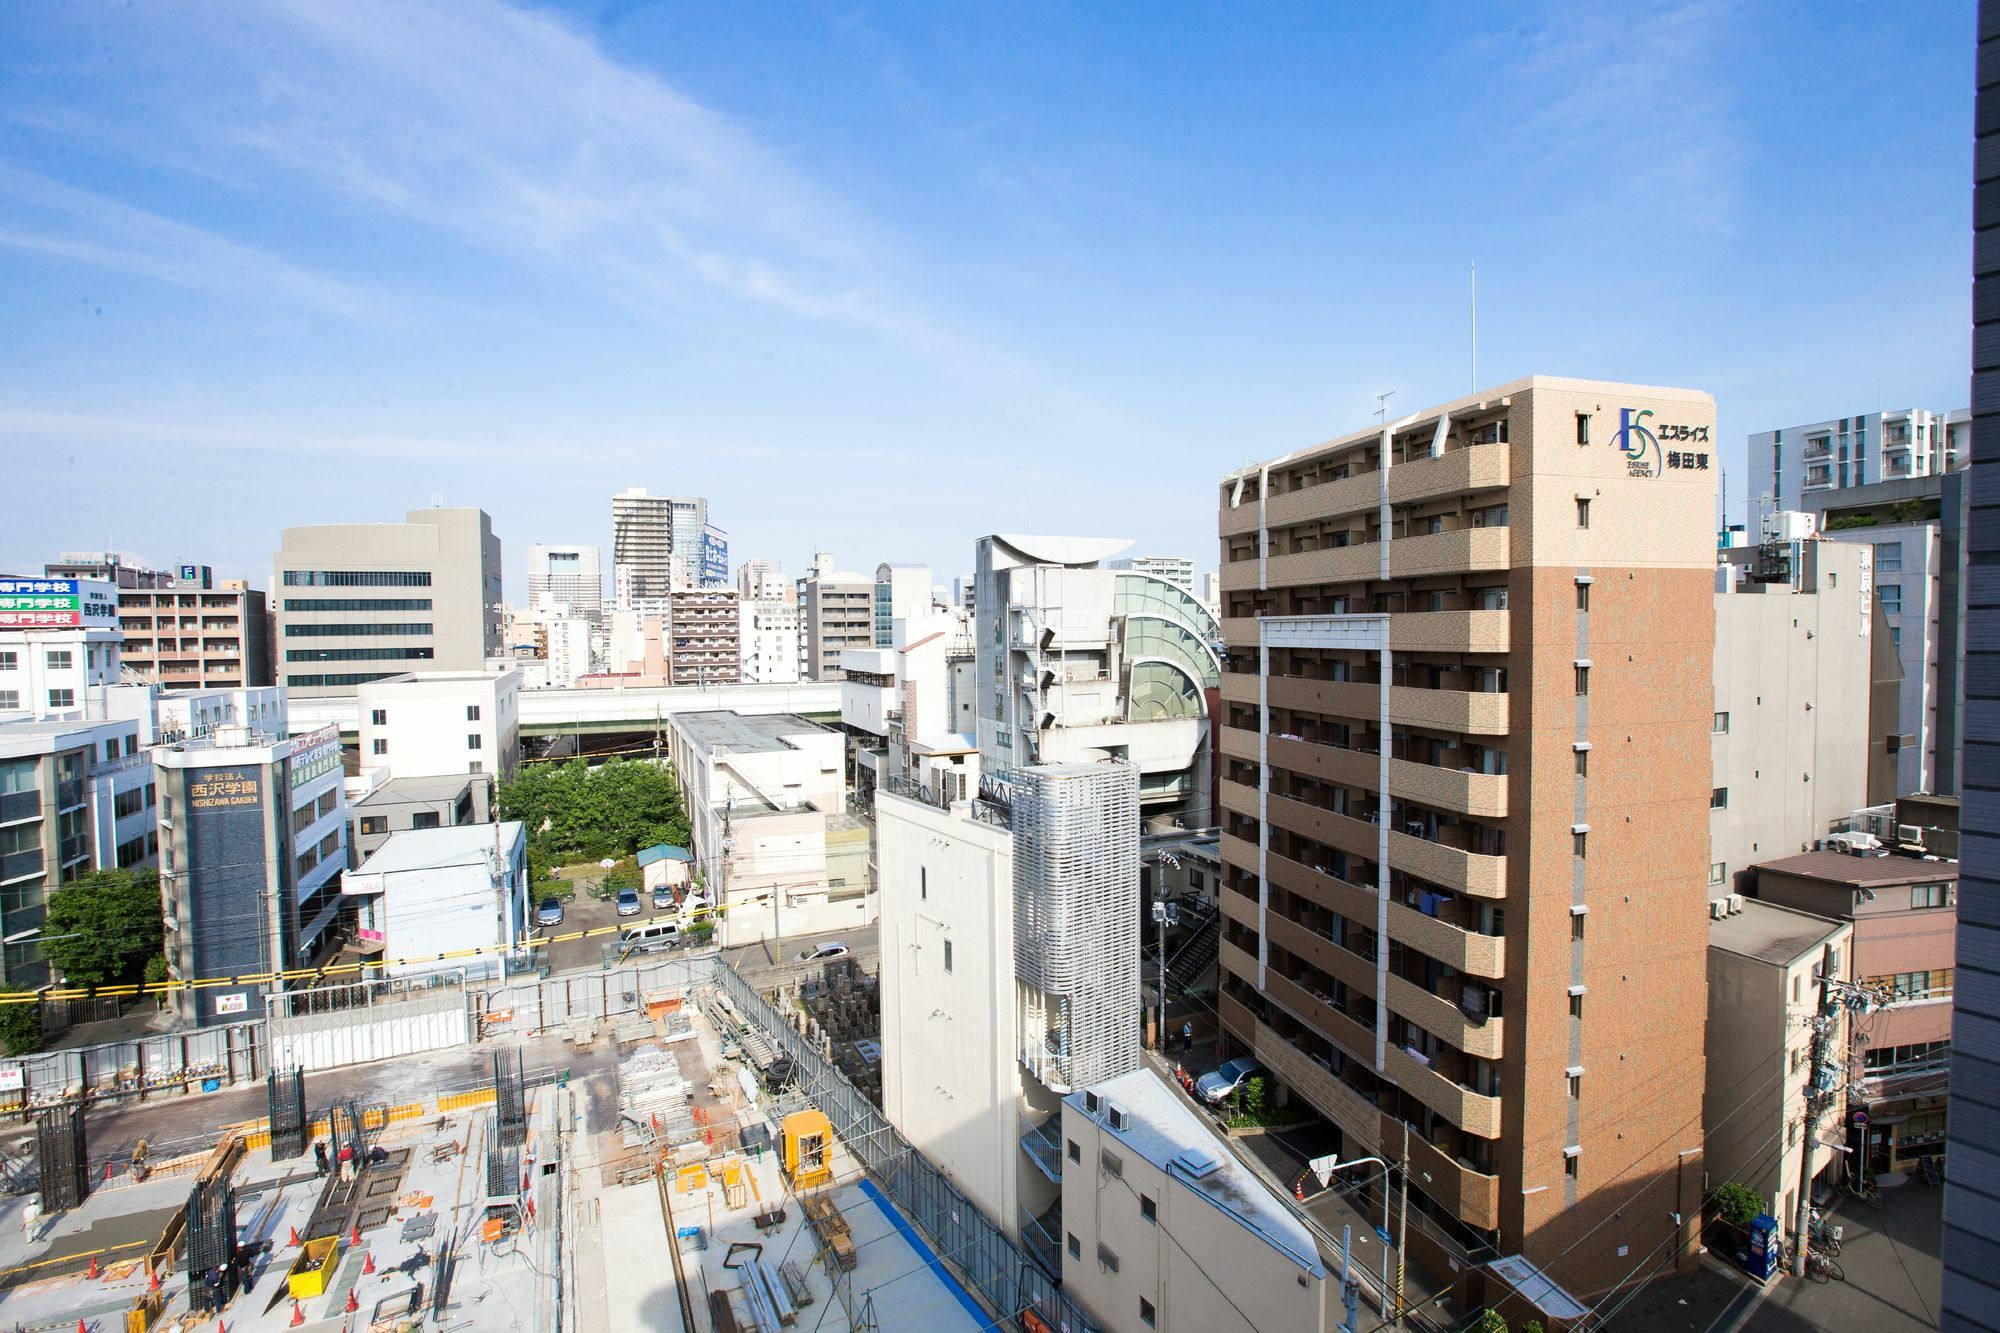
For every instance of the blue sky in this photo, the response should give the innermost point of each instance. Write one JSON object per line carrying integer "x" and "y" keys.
{"x": 879, "y": 280}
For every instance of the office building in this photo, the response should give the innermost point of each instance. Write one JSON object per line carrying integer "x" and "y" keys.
{"x": 1916, "y": 528}
{"x": 688, "y": 519}
{"x": 837, "y": 612}
{"x": 59, "y": 639}
{"x": 902, "y": 592}
{"x": 566, "y": 576}
{"x": 1163, "y": 1228}
{"x": 567, "y": 650}
{"x": 642, "y": 545}
{"x": 1177, "y": 570}
{"x": 457, "y": 892}
{"x": 1763, "y": 978}
{"x": 76, "y": 795}
{"x": 762, "y": 581}
{"x": 1800, "y": 723}
{"x": 768, "y": 639}
{"x": 1802, "y": 461}
{"x": 770, "y": 831}
{"x": 253, "y": 840}
{"x": 197, "y": 634}
{"x": 359, "y": 602}
{"x": 1903, "y": 911}
{"x": 1466, "y": 799}
{"x": 397, "y": 805}
{"x": 714, "y": 557}
{"x": 426, "y": 723}
{"x": 1971, "y": 1285}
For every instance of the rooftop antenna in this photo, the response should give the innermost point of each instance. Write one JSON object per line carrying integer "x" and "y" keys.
{"x": 437, "y": 501}
{"x": 1382, "y": 404}
{"x": 1475, "y": 327}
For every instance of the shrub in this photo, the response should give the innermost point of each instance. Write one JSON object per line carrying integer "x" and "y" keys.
{"x": 1737, "y": 1204}
{"x": 21, "y": 1026}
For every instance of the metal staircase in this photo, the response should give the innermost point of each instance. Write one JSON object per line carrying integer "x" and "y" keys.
{"x": 1191, "y": 963}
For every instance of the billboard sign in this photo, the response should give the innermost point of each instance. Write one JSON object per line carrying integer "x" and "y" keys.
{"x": 30, "y": 603}
{"x": 314, "y": 755}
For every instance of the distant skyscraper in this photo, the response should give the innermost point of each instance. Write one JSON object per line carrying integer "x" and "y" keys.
{"x": 642, "y": 544}
{"x": 1858, "y": 451}
{"x": 567, "y": 576}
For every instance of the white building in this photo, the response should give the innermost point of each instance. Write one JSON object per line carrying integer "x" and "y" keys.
{"x": 426, "y": 723}
{"x": 185, "y": 714}
{"x": 435, "y": 891}
{"x": 567, "y": 576}
{"x": 1859, "y": 451}
{"x": 762, "y": 581}
{"x": 766, "y": 803}
{"x": 1794, "y": 734}
{"x": 1163, "y": 1228}
{"x": 902, "y": 710}
{"x": 569, "y": 649}
{"x": 902, "y": 592}
{"x": 1175, "y": 569}
{"x": 58, "y": 639}
{"x": 769, "y": 639}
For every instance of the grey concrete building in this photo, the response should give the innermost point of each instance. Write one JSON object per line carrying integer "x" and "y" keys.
{"x": 358, "y": 602}
{"x": 837, "y": 612}
{"x": 445, "y": 800}
{"x": 1971, "y": 1252}
{"x": 1795, "y": 734}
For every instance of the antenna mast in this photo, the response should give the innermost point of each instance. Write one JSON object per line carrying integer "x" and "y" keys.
{"x": 1475, "y": 327}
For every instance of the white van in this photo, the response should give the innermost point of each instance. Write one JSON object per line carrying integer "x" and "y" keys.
{"x": 649, "y": 938}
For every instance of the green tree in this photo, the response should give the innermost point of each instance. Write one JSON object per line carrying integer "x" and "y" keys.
{"x": 102, "y": 927}
{"x": 1489, "y": 1322}
{"x": 574, "y": 811}
{"x": 1737, "y": 1204}
{"x": 21, "y": 1025}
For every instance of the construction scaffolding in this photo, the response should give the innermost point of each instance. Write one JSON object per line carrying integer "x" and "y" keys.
{"x": 285, "y": 1094}
{"x": 64, "y": 1152}
{"x": 1076, "y": 920}
{"x": 510, "y": 1099}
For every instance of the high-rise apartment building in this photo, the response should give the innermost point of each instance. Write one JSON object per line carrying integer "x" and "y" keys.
{"x": 1971, "y": 1295}
{"x": 1466, "y": 807}
{"x": 768, "y": 638}
{"x": 704, "y": 637}
{"x": 837, "y": 612}
{"x": 642, "y": 544}
{"x": 1177, "y": 570}
{"x": 197, "y": 635}
{"x": 567, "y": 576}
{"x": 1801, "y": 461}
{"x": 364, "y": 601}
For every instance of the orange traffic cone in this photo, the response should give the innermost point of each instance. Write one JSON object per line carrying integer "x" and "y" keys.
{"x": 152, "y": 1279}
{"x": 354, "y": 1235}
{"x": 93, "y": 1273}
{"x": 298, "y": 1316}
{"x": 80, "y": 1327}
{"x": 352, "y": 1304}
{"x": 1299, "y": 1189}
{"x": 294, "y": 1242}
{"x": 368, "y": 1265}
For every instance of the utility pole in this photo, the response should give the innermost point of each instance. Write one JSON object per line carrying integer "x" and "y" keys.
{"x": 1402, "y": 1216}
{"x": 1816, "y": 1103}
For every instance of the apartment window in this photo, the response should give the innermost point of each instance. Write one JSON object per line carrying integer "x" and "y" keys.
{"x": 1896, "y": 637}
{"x": 1075, "y": 1153}
{"x": 1892, "y": 597}
{"x": 1582, "y": 512}
{"x": 1718, "y": 798}
{"x": 61, "y": 659}
{"x": 1583, "y": 596}
{"x": 923, "y": 882}
{"x": 1798, "y": 1058}
{"x": 1576, "y": 926}
{"x": 9, "y": 700}
{"x": 381, "y": 746}
{"x": 1145, "y": 1311}
{"x": 475, "y": 767}
{"x": 1888, "y": 557}
{"x": 473, "y": 742}
{"x": 62, "y": 698}
{"x": 1148, "y": 1210}
{"x": 356, "y": 578}
{"x": 947, "y": 955}
{"x": 472, "y": 712}
{"x": 1583, "y": 680}
{"x": 1583, "y": 763}
{"x": 1075, "y": 1246}
{"x": 1717, "y": 871}
{"x": 374, "y": 823}
{"x": 1927, "y": 895}
{"x": 1578, "y": 843}
{"x": 9, "y": 661}
{"x": 1720, "y": 726}
{"x": 1569, "y": 1164}
{"x": 379, "y": 717}
{"x": 1575, "y": 1082}
{"x": 1792, "y": 1134}
{"x": 1583, "y": 428}
{"x": 1576, "y": 1002}
{"x": 425, "y": 819}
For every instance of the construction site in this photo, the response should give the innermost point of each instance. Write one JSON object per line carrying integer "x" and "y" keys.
{"x": 683, "y": 1152}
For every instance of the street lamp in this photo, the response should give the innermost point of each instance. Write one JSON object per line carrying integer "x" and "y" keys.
{"x": 1324, "y": 1167}
{"x": 1164, "y": 914}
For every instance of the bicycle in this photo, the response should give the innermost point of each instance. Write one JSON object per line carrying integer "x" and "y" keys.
{"x": 1821, "y": 1267}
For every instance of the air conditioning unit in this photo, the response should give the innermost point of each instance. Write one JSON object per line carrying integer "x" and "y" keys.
{"x": 1735, "y": 901}
{"x": 1717, "y": 909}
{"x": 1118, "y": 1119}
{"x": 1910, "y": 833}
{"x": 1091, "y": 1102}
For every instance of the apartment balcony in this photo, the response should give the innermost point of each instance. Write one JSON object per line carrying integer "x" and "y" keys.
{"x": 1321, "y": 888}
{"x": 1476, "y": 955}
{"x": 1355, "y": 836}
{"x": 1468, "y": 550}
{"x": 1474, "y": 468}
{"x": 1340, "y": 963}
{"x": 1475, "y": 1114}
{"x": 25, "y": 864}
{"x": 1438, "y": 1015}
{"x": 1359, "y": 493}
{"x": 1454, "y": 868}
{"x": 1817, "y": 449}
{"x": 1311, "y": 1008}
{"x": 73, "y": 848}
{"x": 1448, "y": 632}
{"x": 1460, "y": 790}
{"x": 1043, "y": 1144}
{"x": 19, "y": 806}
{"x": 1330, "y": 564}
{"x": 69, "y": 793}
{"x": 1468, "y": 1193}
{"x": 1325, "y": 1091}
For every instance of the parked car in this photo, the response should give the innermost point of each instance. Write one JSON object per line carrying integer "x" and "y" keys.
{"x": 652, "y": 937}
{"x": 663, "y": 900}
{"x": 1219, "y": 1084}
{"x": 550, "y": 913}
{"x": 821, "y": 952}
{"x": 628, "y": 902}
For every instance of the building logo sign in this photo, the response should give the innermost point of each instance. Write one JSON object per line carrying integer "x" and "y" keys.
{"x": 225, "y": 788}
{"x": 1640, "y": 443}
{"x": 53, "y": 604}
{"x": 315, "y": 755}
